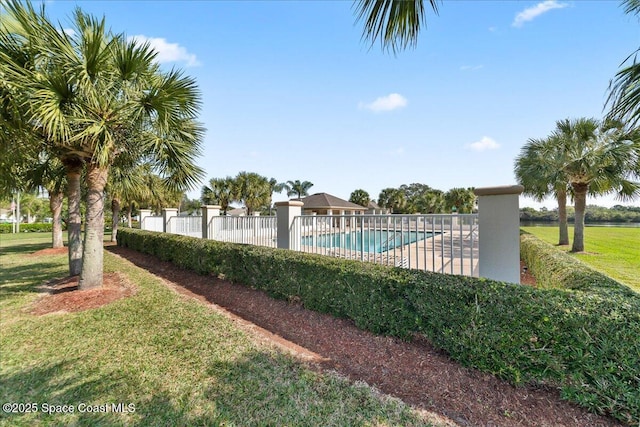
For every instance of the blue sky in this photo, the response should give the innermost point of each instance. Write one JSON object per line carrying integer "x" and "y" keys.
{"x": 291, "y": 91}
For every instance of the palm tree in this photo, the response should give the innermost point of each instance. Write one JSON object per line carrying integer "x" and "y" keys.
{"x": 360, "y": 197}
{"x": 462, "y": 199}
{"x": 392, "y": 199}
{"x": 91, "y": 91}
{"x": 125, "y": 185}
{"x": 600, "y": 158}
{"x": 219, "y": 191}
{"x": 253, "y": 190}
{"x": 624, "y": 89}
{"x": 396, "y": 23}
{"x": 539, "y": 169}
{"x": 275, "y": 187}
{"x": 297, "y": 188}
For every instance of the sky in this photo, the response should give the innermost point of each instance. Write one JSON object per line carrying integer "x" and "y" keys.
{"x": 291, "y": 91}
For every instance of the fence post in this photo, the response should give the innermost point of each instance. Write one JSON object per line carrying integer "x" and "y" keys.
{"x": 208, "y": 212}
{"x": 143, "y": 214}
{"x": 499, "y": 232}
{"x": 286, "y": 212}
{"x": 167, "y": 214}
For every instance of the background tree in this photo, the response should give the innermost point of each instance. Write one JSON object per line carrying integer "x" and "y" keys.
{"x": 462, "y": 199}
{"x": 298, "y": 188}
{"x": 218, "y": 192}
{"x": 252, "y": 190}
{"x": 392, "y": 199}
{"x": 360, "y": 197}
{"x": 540, "y": 170}
{"x": 600, "y": 159}
{"x": 274, "y": 187}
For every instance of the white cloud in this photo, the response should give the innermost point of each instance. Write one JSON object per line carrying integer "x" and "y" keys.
{"x": 69, "y": 31}
{"x": 531, "y": 13}
{"x": 471, "y": 67}
{"x": 390, "y": 102}
{"x": 484, "y": 144}
{"x": 168, "y": 52}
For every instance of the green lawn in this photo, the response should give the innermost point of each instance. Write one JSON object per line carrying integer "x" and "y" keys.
{"x": 614, "y": 251}
{"x": 176, "y": 361}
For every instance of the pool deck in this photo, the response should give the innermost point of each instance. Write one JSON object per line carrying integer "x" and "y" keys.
{"x": 450, "y": 252}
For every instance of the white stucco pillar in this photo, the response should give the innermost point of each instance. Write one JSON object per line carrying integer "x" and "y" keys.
{"x": 208, "y": 212}
{"x": 167, "y": 214}
{"x": 143, "y": 214}
{"x": 289, "y": 235}
{"x": 343, "y": 223}
{"x": 499, "y": 232}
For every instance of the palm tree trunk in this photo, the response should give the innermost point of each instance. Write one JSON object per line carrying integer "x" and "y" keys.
{"x": 74, "y": 170}
{"x": 562, "y": 217}
{"x": 129, "y": 209}
{"x": 115, "y": 218}
{"x": 91, "y": 276}
{"x": 580, "y": 197}
{"x": 55, "y": 203}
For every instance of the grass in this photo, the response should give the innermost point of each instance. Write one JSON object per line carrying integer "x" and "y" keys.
{"x": 613, "y": 251}
{"x": 176, "y": 361}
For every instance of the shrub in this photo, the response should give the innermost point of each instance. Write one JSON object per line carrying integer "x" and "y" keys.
{"x": 27, "y": 228}
{"x": 585, "y": 343}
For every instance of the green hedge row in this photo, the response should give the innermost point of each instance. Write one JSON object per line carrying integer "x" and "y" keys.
{"x": 555, "y": 269}
{"x": 27, "y": 228}
{"x": 587, "y": 344}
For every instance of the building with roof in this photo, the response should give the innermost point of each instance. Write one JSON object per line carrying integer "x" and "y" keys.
{"x": 326, "y": 204}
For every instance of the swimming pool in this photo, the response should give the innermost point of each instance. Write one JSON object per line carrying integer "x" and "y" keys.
{"x": 375, "y": 241}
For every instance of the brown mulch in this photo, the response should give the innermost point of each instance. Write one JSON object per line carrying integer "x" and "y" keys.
{"x": 63, "y": 296}
{"x": 526, "y": 278}
{"x": 414, "y": 371}
{"x": 50, "y": 251}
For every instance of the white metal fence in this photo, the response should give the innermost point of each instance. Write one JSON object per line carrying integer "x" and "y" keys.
{"x": 440, "y": 243}
{"x": 152, "y": 223}
{"x": 185, "y": 225}
{"x": 254, "y": 230}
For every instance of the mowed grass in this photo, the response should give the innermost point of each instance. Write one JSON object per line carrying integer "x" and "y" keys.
{"x": 614, "y": 251}
{"x": 170, "y": 361}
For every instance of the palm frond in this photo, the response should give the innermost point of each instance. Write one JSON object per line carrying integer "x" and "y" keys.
{"x": 396, "y": 23}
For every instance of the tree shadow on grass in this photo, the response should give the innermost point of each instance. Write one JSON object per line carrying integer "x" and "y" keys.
{"x": 25, "y": 248}
{"x": 257, "y": 388}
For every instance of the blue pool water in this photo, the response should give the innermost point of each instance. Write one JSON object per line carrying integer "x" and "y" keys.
{"x": 377, "y": 241}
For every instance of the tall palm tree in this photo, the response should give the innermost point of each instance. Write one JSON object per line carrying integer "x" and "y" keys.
{"x": 600, "y": 158}
{"x": 253, "y": 190}
{"x": 360, "y": 197}
{"x": 91, "y": 91}
{"x": 298, "y": 188}
{"x": 624, "y": 89}
{"x": 396, "y": 23}
{"x": 219, "y": 191}
{"x": 540, "y": 170}
{"x": 275, "y": 187}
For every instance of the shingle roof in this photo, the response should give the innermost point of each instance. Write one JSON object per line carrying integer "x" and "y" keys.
{"x": 327, "y": 201}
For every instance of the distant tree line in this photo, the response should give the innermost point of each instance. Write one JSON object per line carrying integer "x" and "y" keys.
{"x": 593, "y": 214}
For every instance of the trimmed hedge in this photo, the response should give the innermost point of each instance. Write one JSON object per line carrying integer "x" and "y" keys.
{"x": 555, "y": 269}
{"x": 27, "y": 228}
{"x": 582, "y": 342}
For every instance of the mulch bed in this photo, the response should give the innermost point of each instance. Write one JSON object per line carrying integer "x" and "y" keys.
{"x": 414, "y": 371}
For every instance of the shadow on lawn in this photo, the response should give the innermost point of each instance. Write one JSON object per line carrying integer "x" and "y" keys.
{"x": 25, "y": 248}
